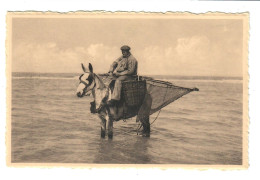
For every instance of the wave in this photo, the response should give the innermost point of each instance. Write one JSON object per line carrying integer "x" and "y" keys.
{"x": 40, "y": 77}
{"x": 205, "y": 80}
{"x": 171, "y": 80}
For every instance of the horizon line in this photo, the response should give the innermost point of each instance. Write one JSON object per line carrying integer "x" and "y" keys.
{"x": 138, "y": 74}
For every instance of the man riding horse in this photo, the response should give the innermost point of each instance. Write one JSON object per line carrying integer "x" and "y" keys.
{"x": 141, "y": 96}
{"x": 123, "y": 69}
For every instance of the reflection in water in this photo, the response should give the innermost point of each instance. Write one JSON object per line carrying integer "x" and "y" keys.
{"x": 124, "y": 150}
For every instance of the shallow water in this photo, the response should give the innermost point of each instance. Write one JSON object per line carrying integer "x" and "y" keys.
{"x": 50, "y": 124}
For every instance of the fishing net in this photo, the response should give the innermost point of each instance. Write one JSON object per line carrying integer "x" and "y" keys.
{"x": 162, "y": 92}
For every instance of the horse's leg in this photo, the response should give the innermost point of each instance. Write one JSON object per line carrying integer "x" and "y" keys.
{"x": 102, "y": 117}
{"x": 110, "y": 127}
{"x": 146, "y": 127}
{"x": 144, "y": 114}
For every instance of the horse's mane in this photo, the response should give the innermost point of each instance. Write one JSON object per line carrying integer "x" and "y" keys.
{"x": 99, "y": 82}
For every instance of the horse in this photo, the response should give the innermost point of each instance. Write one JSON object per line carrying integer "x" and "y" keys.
{"x": 91, "y": 83}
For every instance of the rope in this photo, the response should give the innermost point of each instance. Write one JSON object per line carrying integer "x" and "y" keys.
{"x": 138, "y": 128}
{"x": 161, "y": 108}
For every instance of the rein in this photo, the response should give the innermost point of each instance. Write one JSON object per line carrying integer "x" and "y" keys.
{"x": 83, "y": 82}
{"x": 101, "y": 86}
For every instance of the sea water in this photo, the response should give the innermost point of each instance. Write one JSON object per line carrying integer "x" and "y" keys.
{"x": 51, "y": 124}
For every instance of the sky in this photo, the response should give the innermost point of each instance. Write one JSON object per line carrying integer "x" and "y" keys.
{"x": 170, "y": 46}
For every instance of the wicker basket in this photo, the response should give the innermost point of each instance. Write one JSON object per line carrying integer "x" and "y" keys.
{"x": 134, "y": 92}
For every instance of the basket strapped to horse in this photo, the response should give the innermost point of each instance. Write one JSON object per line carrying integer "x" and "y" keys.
{"x": 134, "y": 92}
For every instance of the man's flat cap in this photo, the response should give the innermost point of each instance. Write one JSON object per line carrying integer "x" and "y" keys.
{"x": 125, "y": 48}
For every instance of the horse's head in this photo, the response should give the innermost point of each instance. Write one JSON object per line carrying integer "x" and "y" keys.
{"x": 86, "y": 81}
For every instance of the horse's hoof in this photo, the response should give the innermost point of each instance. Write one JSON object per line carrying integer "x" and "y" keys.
{"x": 146, "y": 134}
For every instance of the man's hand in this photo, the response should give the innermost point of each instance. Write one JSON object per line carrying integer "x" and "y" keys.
{"x": 110, "y": 73}
{"x": 117, "y": 74}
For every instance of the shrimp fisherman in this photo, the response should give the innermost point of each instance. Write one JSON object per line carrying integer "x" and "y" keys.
{"x": 124, "y": 68}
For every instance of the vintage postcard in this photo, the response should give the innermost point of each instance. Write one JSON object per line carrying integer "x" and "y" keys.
{"x": 99, "y": 89}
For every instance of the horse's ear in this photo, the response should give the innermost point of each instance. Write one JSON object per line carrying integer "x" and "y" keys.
{"x": 83, "y": 67}
{"x": 90, "y": 67}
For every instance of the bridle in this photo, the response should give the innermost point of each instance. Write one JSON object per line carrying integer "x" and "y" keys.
{"x": 87, "y": 84}
{"x": 92, "y": 78}
{"x": 83, "y": 82}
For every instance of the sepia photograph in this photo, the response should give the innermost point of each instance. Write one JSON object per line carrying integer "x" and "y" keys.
{"x": 127, "y": 89}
